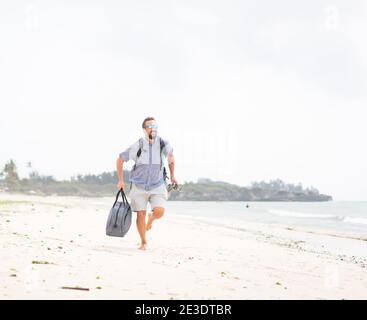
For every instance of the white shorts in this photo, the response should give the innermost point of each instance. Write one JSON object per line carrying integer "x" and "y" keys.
{"x": 139, "y": 198}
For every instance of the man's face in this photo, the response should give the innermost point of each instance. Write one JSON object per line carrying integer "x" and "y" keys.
{"x": 151, "y": 129}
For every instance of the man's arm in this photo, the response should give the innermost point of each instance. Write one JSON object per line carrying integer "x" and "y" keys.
{"x": 120, "y": 172}
{"x": 125, "y": 156}
{"x": 171, "y": 164}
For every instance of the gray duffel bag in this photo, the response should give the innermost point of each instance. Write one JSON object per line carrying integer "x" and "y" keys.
{"x": 119, "y": 219}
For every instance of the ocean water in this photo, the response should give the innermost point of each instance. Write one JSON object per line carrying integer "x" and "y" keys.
{"x": 341, "y": 217}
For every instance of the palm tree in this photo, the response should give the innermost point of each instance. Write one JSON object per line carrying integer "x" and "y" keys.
{"x": 11, "y": 174}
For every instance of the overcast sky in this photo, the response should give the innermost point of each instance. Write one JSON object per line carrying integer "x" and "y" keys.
{"x": 243, "y": 90}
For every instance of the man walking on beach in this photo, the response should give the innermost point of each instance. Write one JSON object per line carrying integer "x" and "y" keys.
{"x": 147, "y": 178}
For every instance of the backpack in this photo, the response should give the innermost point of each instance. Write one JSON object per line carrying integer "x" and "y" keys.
{"x": 162, "y": 145}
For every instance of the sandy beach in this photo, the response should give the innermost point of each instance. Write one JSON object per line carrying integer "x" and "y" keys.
{"x": 56, "y": 248}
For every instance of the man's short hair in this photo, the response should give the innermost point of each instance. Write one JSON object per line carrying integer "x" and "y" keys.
{"x": 145, "y": 120}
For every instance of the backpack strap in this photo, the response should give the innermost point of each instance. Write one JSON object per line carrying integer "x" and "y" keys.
{"x": 162, "y": 144}
{"x": 162, "y": 147}
{"x": 140, "y": 147}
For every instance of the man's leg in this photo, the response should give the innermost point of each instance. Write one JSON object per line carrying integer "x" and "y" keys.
{"x": 157, "y": 213}
{"x": 140, "y": 222}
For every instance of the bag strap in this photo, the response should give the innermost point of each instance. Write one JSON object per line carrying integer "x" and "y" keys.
{"x": 123, "y": 196}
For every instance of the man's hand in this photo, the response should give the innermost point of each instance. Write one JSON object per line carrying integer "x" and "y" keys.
{"x": 174, "y": 180}
{"x": 120, "y": 185}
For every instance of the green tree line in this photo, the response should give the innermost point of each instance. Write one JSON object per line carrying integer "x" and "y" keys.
{"x": 105, "y": 184}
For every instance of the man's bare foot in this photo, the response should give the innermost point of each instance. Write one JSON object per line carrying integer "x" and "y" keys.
{"x": 143, "y": 246}
{"x": 150, "y": 221}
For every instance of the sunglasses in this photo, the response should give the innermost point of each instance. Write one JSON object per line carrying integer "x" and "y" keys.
{"x": 151, "y": 126}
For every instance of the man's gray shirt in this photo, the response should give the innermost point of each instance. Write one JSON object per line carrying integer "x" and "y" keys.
{"x": 148, "y": 173}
